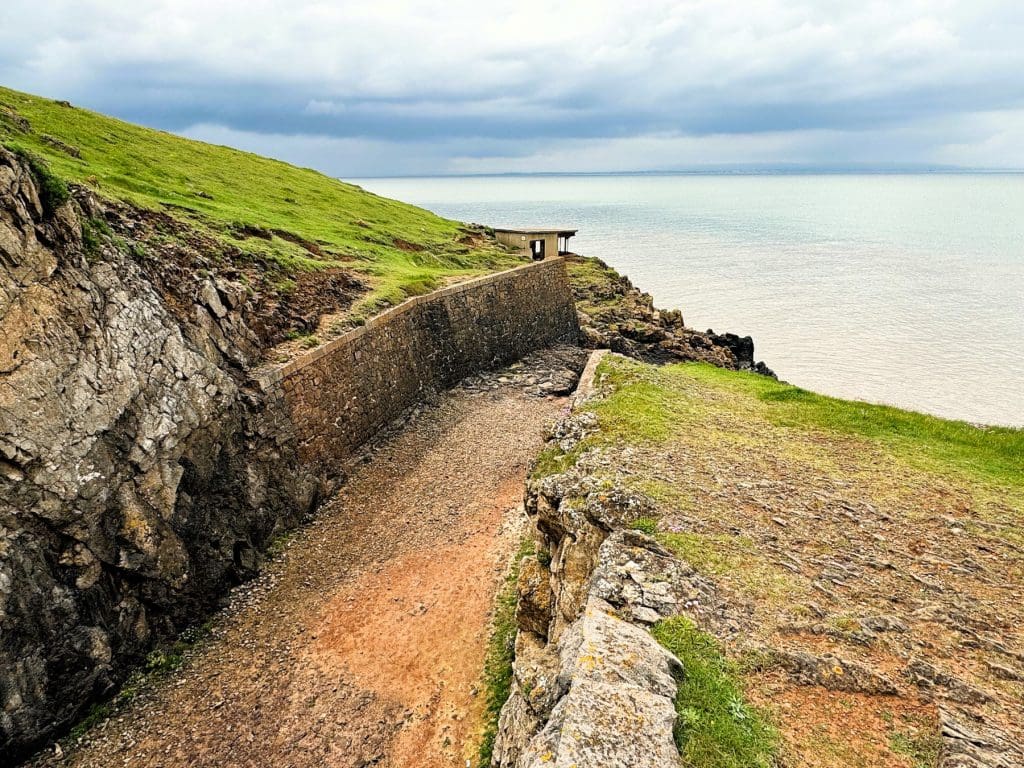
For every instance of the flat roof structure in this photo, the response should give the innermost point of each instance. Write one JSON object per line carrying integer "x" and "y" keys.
{"x": 537, "y": 231}
{"x": 538, "y": 242}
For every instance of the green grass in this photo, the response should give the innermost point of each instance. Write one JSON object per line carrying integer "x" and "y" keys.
{"x": 497, "y": 676}
{"x": 648, "y": 405}
{"x": 994, "y": 454}
{"x": 638, "y": 409}
{"x": 715, "y": 727}
{"x": 648, "y": 525}
{"x": 918, "y": 740}
{"x": 400, "y": 249}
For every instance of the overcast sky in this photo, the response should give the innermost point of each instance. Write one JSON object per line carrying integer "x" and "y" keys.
{"x": 386, "y": 87}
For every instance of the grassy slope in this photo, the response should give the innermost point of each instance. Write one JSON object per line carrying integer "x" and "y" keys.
{"x": 650, "y": 404}
{"x": 742, "y": 467}
{"x": 220, "y": 189}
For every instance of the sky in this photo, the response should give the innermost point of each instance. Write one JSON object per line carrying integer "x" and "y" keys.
{"x": 394, "y": 87}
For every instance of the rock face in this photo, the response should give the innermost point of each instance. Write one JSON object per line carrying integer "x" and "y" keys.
{"x": 591, "y": 686}
{"x": 145, "y": 463}
{"x": 616, "y": 315}
{"x": 138, "y": 476}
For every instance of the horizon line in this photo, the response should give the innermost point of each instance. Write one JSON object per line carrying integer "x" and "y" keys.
{"x": 909, "y": 170}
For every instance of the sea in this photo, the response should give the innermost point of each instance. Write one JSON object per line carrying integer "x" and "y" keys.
{"x": 905, "y": 289}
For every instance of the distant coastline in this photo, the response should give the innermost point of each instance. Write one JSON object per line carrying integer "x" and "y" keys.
{"x": 744, "y": 170}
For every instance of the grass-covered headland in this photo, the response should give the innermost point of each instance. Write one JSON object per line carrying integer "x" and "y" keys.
{"x": 293, "y": 220}
{"x": 866, "y": 559}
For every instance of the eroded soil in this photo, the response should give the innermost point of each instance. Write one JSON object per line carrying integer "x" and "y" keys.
{"x": 363, "y": 643}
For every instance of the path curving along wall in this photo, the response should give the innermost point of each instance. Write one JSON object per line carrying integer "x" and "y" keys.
{"x": 339, "y": 395}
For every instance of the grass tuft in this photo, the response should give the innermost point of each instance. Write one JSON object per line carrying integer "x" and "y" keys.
{"x": 715, "y": 727}
{"x": 648, "y": 525}
{"x": 497, "y": 677}
{"x": 53, "y": 191}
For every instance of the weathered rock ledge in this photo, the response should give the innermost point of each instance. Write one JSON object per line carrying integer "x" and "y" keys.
{"x": 591, "y": 686}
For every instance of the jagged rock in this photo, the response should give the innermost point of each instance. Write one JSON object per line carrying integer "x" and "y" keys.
{"x": 646, "y": 583}
{"x": 975, "y": 746}
{"x": 574, "y": 516}
{"x": 617, "y": 709}
{"x": 615, "y": 315}
{"x": 138, "y": 478}
{"x": 930, "y": 678}
{"x": 829, "y": 671}
{"x": 61, "y": 146}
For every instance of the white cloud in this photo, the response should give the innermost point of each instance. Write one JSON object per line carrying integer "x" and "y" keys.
{"x": 570, "y": 82}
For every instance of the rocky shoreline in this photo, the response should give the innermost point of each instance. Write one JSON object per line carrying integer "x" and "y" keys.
{"x": 614, "y": 314}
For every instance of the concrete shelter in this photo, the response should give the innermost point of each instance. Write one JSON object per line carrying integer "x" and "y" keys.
{"x": 537, "y": 242}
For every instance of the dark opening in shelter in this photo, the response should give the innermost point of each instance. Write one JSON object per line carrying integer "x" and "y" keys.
{"x": 537, "y": 243}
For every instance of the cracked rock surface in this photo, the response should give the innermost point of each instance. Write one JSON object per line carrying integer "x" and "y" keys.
{"x": 138, "y": 476}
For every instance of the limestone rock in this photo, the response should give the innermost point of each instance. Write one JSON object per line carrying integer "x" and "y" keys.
{"x": 126, "y": 441}
{"x": 620, "y": 317}
{"x": 973, "y": 745}
{"x": 830, "y": 671}
{"x": 617, "y": 710}
{"x": 645, "y": 582}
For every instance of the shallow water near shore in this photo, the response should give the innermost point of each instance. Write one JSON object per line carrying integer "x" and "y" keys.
{"x": 898, "y": 289}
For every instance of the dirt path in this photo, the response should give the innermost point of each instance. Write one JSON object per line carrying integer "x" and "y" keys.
{"x": 362, "y": 645}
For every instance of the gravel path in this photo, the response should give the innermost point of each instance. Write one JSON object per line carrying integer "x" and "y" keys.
{"x": 364, "y": 642}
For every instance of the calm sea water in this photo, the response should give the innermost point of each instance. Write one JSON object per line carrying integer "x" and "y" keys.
{"x": 902, "y": 289}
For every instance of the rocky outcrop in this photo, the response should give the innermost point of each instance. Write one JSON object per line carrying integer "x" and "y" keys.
{"x": 596, "y": 690}
{"x": 591, "y": 685}
{"x": 616, "y": 315}
{"x": 139, "y": 474}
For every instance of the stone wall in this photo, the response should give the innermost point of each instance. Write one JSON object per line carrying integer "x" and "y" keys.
{"x": 342, "y": 393}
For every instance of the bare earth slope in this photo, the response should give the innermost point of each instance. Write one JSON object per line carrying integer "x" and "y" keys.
{"x": 362, "y": 644}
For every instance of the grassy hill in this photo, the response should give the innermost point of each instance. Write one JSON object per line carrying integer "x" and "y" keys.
{"x": 398, "y": 249}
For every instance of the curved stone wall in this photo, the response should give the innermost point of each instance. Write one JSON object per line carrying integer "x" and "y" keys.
{"x": 339, "y": 395}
